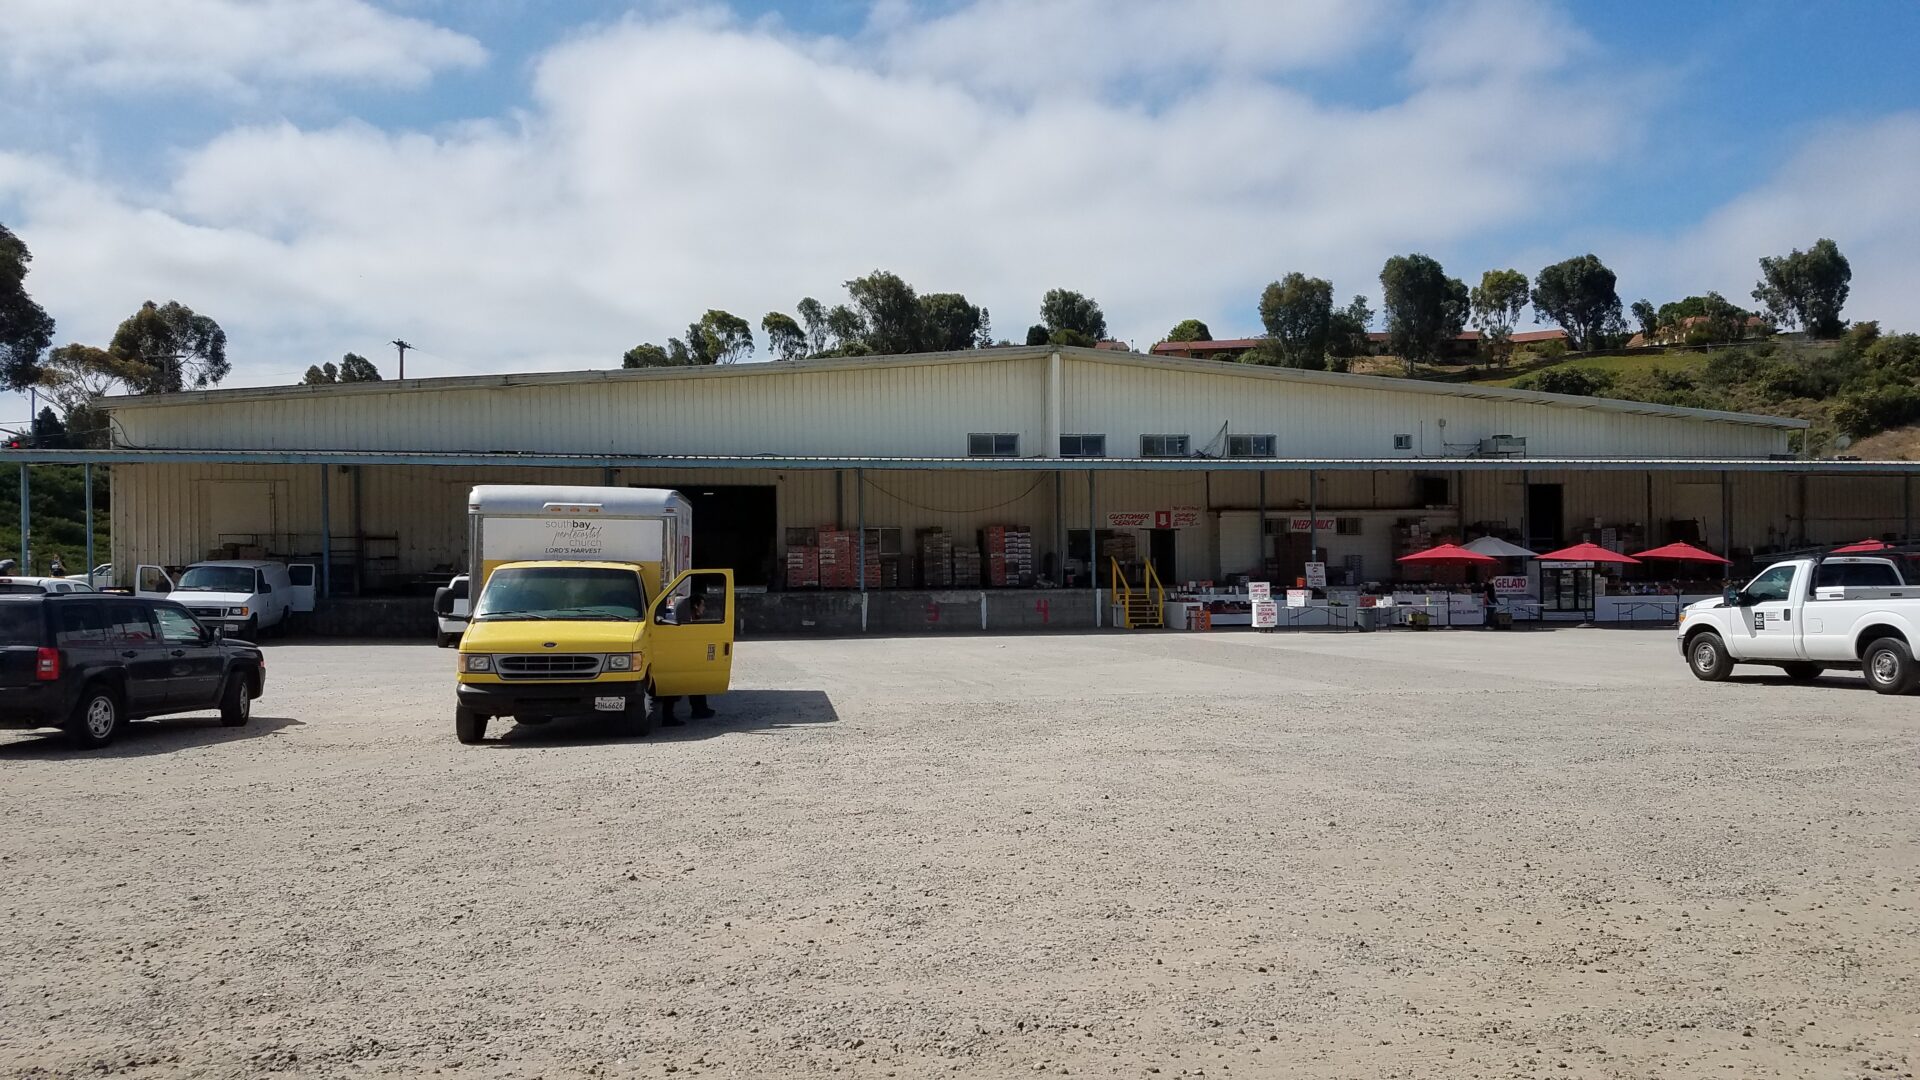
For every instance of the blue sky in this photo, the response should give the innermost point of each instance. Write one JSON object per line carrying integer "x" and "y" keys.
{"x": 524, "y": 185}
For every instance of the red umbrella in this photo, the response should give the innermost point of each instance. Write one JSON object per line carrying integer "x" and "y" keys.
{"x": 1448, "y": 553}
{"x": 1682, "y": 553}
{"x": 1589, "y": 553}
{"x": 1861, "y": 546}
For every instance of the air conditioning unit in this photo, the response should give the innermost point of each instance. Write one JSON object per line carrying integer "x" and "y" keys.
{"x": 1504, "y": 446}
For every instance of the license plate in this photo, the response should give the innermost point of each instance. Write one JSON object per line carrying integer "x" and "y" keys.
{"x": 233, "y": 628}
{"x": 609, "y": 704}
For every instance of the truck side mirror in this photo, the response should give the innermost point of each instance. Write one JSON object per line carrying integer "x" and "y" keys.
{"x": 443, "y": 601}
{"x": 1731, "y": 597}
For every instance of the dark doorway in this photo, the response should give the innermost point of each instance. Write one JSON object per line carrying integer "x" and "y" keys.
{"x": 1160, "y": 550}
{"x": 1546, "y": 516}
{"x": 733, "y": 529}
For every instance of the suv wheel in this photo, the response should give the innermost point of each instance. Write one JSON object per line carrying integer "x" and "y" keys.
{"x": 1707, "y": 658}
{"x": 1889, "y": 666}
{"x": 236, "y": 704}
{"x": 96, "y": 718}
{"x": 469, "y": 726}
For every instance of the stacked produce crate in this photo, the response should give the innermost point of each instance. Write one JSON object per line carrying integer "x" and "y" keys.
{"x": 936, "y": 558}
{"x": 837, "y": 558}
{"x": 966, "y": 567}
{"x": 1009, "y": 555}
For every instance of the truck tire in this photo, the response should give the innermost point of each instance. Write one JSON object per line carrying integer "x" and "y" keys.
{"x": 638, "y": 719}
{"x": 1707, "y": 658}
{"x": 469, "y": 726}
{"x": 447, "y": 641}
{"x": 1803, "y": 672}
{"x": 236, "y": 704}
{"x": 1889, "y": 666}
{"x": 97, "y": 717}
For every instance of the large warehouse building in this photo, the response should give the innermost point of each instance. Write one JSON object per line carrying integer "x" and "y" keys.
{"x": 1205, "y": 470}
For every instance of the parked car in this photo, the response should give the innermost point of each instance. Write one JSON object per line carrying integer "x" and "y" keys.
{"x": 41, "y": 585}
{"x": 1806, "y": 615}
{"x": 90, "y": 662}
{"x": 240, "y": 596}
{"x": 452, "y": 598}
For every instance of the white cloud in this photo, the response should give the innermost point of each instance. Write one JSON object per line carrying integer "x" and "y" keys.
{"x": 668, "y": 165}
{"x": 224, "y": 46}
{"x": 1857, "y": 183}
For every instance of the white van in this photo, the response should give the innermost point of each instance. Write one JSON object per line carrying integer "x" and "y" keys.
{"x": 241, "y": 597}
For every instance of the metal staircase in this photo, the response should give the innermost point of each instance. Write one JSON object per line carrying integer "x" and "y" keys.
{"x": 1141, "y": 607}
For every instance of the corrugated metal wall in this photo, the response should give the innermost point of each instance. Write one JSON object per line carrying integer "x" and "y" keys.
{"x": 926, "y": 409}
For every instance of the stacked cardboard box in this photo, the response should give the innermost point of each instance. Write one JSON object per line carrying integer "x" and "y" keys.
{"x": 803, "y": 568}
{"x": 1121, "y": 546}
{"x": 966, "y": 567}
{"x": 1009, "y": 555}
{"x": 936, "y": 559}
{"x": 837, "y": 558}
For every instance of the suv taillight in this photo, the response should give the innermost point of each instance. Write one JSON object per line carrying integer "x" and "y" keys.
{"x": 46, "y": 665}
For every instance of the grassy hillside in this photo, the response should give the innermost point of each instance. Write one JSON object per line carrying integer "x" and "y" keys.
{"x": 59, "y": 514}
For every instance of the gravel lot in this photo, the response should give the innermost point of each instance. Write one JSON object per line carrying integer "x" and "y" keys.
{"x": 1418, "y": 855}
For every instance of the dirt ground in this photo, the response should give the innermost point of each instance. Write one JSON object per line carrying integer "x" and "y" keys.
{"x": 1416, "y": 855}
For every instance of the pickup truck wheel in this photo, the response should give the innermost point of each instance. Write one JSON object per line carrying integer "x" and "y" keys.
{"x": 1707, "y": 658}
{"x": 236, "y": 705}
{"x": 1802, "y": 672}
{"x": 1889, "y": 666}
{"x": 96, "y": 717}
{"x": 447, "y": 640}
{"x": 469, "y": 726}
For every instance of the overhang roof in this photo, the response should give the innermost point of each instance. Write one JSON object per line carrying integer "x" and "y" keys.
{"x": 1373, "y": 383}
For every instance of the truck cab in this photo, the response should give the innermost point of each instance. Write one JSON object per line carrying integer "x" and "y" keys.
{"x": 1807, "y": 615}
{"x": 580, "y": 607}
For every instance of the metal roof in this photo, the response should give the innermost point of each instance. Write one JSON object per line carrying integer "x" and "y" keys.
{"x": 980, "y": 464}
{"x": 1374, "y": 383}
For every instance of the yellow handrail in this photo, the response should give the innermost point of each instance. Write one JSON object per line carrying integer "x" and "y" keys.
{"x": 1155, "y": 590}
{"x": 1122, "y": 592}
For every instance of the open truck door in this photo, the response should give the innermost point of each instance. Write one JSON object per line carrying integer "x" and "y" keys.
{"x": 691, "y": 641}
{"x": 152, "y": 581}
{"x": 302, "y": 576}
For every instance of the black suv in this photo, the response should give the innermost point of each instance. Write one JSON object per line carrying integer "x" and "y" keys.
{"x": 89, "y": 663}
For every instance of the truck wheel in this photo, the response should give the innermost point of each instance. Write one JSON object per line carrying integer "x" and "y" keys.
{"x": 236, "y": 705}
{"x": 1889, "y": 666}
{"x": 469, "y": 726}
{"x": 638, "y": 718}
{"x": 1708, "y": 659}
{"x": 96, "y": 717}
{"x": 1803, "y": 672}
{"x": 447, "y": 640}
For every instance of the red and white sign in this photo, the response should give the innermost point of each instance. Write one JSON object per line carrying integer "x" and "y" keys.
{"x": 1307, "y": 524}
{"x": 1259, "y": 590}
{"x": 1173, "y": 517}
{"x": 1266, "y": 615}
{"x": 1316, "y": 575}
{"x": 1298, "y": 597}
{"x": 1510, "y": 586}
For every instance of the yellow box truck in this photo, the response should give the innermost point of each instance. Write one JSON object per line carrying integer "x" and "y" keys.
{"x": 583, "y": 604}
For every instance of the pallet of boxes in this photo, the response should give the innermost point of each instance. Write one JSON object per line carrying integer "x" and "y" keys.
{"x": 1008, "y": 554}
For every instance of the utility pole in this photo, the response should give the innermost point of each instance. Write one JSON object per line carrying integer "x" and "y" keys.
{"x": 403, "y": 347}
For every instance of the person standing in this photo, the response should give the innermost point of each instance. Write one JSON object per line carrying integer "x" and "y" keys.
{"x": 56, "y": 568}
{"x": 692, "y": 609}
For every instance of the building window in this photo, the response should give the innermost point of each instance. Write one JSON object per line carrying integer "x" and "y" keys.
{"x": 992, "y": 444}
{"x": 1083, "y": 446}
{"x": 1164, "y": 446}
{"x": 1432, "y": 491}
{"x": 1403, "y": 442}
{"x": 1346, "y": 526}
{"x": 1249, "y": 446}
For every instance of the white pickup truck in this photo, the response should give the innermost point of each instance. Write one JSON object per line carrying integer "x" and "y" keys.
{"x": 1806, "y": 615}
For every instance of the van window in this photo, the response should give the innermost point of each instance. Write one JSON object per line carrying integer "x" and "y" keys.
{"x": 228, "y": 579}
{"x": 1870, "y": 575}
{"x": 20, "y": 624}
{"x": 553, "y": 592}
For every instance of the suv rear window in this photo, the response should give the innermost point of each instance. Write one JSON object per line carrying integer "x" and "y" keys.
{"x": 20, "y": 624}
{"x": 22, "y": 587}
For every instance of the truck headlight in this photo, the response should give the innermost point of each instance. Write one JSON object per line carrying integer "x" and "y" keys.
{"x": 620, "y": 662}
{"x": 472, "y": 662}
{"x": 237, "y": 612}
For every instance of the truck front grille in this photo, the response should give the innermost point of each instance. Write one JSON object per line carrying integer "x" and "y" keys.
{"x": 208, "y": 613}
{"x": 548, "y": 666}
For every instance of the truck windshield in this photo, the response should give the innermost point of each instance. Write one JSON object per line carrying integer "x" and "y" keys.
{"x": 560, "y": 592}
{"x": 234, "y": 579}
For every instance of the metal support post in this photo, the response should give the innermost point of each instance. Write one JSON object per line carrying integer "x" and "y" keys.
{"x": 1726, "y": 516}
{"x": 26, "y": 522}
{"x": 839, "y": 499}
{"x": 1906, "y": 498}
{"x": 1526, "y": 526}
{"x": 1313, "y": 516}
{"x": 1260, "y": 530}
{"x": 1093, "y": 551}
{"x": 1059, "y": 528}
{"x": 86, "y": 480}
{"x": 860, "y": 504}
{"x": 326, "y": 533}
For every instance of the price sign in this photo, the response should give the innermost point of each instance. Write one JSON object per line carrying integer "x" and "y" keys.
{"x": 1316, "y": 575}
{"x": 1260, "y": 590}
{"x": 1266, "y": 615}
{"x": 1298, "y": 597}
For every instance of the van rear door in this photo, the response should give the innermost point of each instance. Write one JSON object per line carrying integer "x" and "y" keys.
{"x": 152, "y": 582}
{"x": 690, "y": 647}
{"x": 301, "y": 576}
